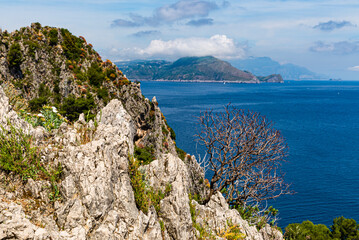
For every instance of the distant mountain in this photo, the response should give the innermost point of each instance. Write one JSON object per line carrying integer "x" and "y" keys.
{"x": 264, "y": 66}
{"x": 187, "y": 69}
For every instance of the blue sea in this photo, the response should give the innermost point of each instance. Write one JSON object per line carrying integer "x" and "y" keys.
{"x": 319, "y": 120}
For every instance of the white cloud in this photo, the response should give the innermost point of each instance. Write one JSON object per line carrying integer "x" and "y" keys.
{"x": 355, "y": 68}
{"x": 218, "y": 45}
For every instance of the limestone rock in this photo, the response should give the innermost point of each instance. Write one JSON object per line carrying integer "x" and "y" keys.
{"x": 97, "y": 198}
{"x": 216, "y": 215}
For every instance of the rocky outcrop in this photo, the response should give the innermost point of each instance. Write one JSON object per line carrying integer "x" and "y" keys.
{"x": 273, "y": 78}
{"x": 97, "y": 198}
{"x": 94, "y": 197}
{"x": 216, "y": 216}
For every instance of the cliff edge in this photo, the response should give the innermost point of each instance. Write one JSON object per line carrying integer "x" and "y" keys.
{"x": 117, "y": 175}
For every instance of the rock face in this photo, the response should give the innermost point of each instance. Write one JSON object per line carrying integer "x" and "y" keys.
{"x": 97, "y": 196}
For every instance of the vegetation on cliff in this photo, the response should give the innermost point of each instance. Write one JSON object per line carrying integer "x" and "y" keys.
{"x": 50, "y": 66}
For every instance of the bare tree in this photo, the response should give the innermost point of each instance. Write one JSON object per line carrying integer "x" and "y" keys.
{"x": 245, "y": 154}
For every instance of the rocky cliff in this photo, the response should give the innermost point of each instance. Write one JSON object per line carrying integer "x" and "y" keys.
{"x": 117, "y": 175}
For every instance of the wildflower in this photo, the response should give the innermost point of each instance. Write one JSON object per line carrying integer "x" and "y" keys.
{"x": 40, "y": 115}
{"x": 54, "y": 109}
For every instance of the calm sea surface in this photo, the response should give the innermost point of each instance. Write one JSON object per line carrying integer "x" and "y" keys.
{"x": 320, "y": 121}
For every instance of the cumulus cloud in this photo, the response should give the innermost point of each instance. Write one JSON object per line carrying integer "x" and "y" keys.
{"x": 150, "y": 33}
{"x": 183, "y": 9}
{"x": 355, "y": 68}
{"x": 200, "y": 22}
{"x": 343, "y": 47}
{"x": 218, "y": 45}
{"x": 332, "y": 25}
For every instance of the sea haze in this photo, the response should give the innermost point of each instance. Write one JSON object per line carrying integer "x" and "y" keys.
{"x": 319, "y": 120}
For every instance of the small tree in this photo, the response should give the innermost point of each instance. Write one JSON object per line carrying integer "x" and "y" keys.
{"x": 244, "y": 153}
{"x": 14, "y": 56}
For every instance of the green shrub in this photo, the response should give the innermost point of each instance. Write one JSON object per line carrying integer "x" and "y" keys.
{"x": 95, "y": 75}
{"x": 173, "y": 134}
{"x": 253, "y": 214}
{"x": 16, "y": 153}
{"x": 81, "y": 76}
{"x": 342, "y": 229}
{"x": 144, "y": 155}
{"x": 307, "y": 230}
{"x": 145, "y": 196}
{"x": 102, "y": 93}
{"x": 37, "y": 103}
{"x": 53, "y": 34}
{"x": 181, "y": 154}
{"x": 71, "y": 45}
{"x": 14, "y": 56}
{"x": 44, "y": 91}
{"x": 72, "y": 107}
{"x": 37, "y": 26}
{"x": 48, "y": 118}
{"x": 33, "y": 46}
{"x": 164, "y": 130}
{"x": 345, "y": 229}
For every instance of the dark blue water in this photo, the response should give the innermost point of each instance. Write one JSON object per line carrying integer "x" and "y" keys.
{"x": 320, "y": 121}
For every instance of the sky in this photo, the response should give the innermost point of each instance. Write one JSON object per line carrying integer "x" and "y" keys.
{"x": 321, "y": 35}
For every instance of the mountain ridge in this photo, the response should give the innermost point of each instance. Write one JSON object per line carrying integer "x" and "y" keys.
{"x": 265, "y": 66}
{"x": 203, "y": 69}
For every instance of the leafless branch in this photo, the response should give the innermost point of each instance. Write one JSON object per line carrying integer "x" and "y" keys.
{"x": 245, "y": 154}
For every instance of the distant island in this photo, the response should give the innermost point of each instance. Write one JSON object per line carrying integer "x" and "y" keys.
{"x": 265, "y": 66}
{"x": 191, "y": 69}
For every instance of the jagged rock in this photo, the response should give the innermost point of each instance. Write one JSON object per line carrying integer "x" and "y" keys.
{"x": 175, "y": 210}
{"x": 7, "y": 115}
{"x": 97, "y": 198}
{"x": 216, "y": 215}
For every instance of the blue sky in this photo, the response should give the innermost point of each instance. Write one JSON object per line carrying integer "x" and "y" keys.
{"x": 322, "y": 35}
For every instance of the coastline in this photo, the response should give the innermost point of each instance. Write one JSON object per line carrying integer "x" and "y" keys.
{"x": 200, "y": 81}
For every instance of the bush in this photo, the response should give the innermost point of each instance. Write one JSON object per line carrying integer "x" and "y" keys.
{"x": 307, "y": 230}
{"x": 342, "y": 229}
{"x": 345, "y": 229}
{"x": 145, "y": 196}
{"x": 144, "y": 155}
{"x": 95, "y": 75}
{"x": 37, "y": 103}
{"x": 181, "y": 154}
{"x": 71, "y": 45}
{"x": 33, "y": 46}
{"x": 16, "y": 153}
{"x": 256, "y": 216}
{"x": 48, "y": 118}
{"x": 72, "y": 107}
{"x": 173, "y": 134}
{"x": 102, "y": 93}
{"x": 53, "y": 37}
{"x": 14, "y": 56}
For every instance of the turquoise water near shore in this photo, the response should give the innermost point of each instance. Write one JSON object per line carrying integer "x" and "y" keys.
{"x": 319, "y": 120}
